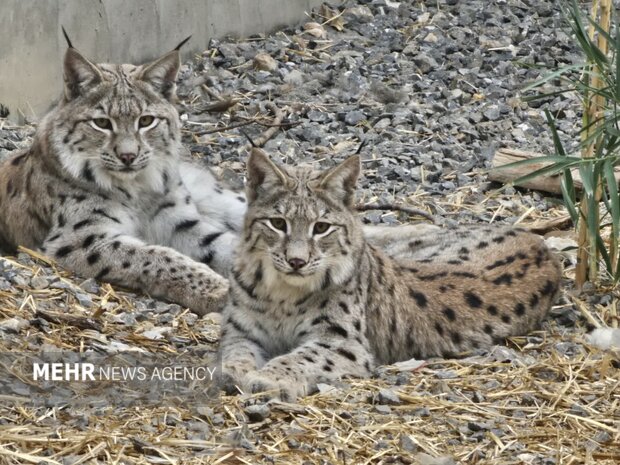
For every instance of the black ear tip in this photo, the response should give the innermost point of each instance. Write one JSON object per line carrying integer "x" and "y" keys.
{"x": 64, "y": 32}
{"x": 183, "y": 42}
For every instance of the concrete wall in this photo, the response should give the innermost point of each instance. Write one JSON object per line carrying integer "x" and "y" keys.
{"x": 116, "y": 31}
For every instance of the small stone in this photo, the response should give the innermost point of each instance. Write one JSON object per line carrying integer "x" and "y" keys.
{"x": 425, "y": 459}
{"x": 90, "y": 285}
{"x": 360, "y": 13}
{"x": 84, "y": 300}
{"x": 431, "y": 38}
{"x": 158, "y": 332}
{"x": 318, "y": 116}
{"x": 424, "y": 62}
{"x": 407, "y": 444}
{"x": 265, "y": 62}
{"x": 383, "y": 409}
{"x": 295, "y": 77}
{"x": 14, "y": 325}
{"x": 388, "y": 397}
{"x": 492, "y": 113}
{"x": 257, "y": 412}
{"x": 39, "y": 282}
{"x": 354, "y": 117}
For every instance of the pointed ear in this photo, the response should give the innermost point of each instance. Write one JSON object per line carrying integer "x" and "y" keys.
{"x": 162, "y": 74}
{"x": 263, "y": 174}
{"x": 341, "y": 180}
{"x": 79, "y": 74}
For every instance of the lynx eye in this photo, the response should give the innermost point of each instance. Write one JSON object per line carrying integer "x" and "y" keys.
{"x": 145, "y": 121}
{"x": 320, "y": 227}
{"x": 103, "y": 123}
{"x": 278, "y": 223}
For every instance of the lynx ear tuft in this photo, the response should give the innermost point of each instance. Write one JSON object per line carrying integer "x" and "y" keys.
{"x": 64, "y": 32}
{"x": 263, "y": 174}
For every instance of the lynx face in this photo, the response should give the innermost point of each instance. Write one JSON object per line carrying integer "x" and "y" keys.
{"x": 117, "y": 121}
{"x": 300, "y": 223}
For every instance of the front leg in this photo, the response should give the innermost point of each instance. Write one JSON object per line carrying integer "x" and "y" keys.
{"x": 240, "y": 352}
{"x": 297, "y": 373}
{"x": 97, "y": 250}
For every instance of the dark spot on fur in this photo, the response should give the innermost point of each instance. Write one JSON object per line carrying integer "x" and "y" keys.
{"x": 549, "y": 288}
{"x": 63, "y": 251}
{"x": 127, "y": 265}
{"x": 88, "y": 241}
{"x": 337, "y": 329}
{"x": 209, "y": 238}
{"x": 505, "y": 319}
{"x": 492, "y": 310}
{"x": 102, "y": 273}
{"x": 472, "y": 299}
{"x": 505, "y": 278}
{"x": 449, "y": 313}
{"x": 499, "y": 239}
{"x": 81, "y": 224}
{"x": 93, "y": 258}
{"x": 347, "y": 354}
{"x": 439, "y": 328}
{"x": 320, "y": 319}
{"x": 419, "y": 298}
{"x": 482, "y": 245}
{"x": 185, "y": 225}
{"x": 534, "y": 300}
{"x": 344, "y": 307}
{"x": 87, "y": 173}
{"x": 463, "y": 274}
{"x": 519, "y": 309}
{"x": 488, "y": 329}
{"x": 456, "y": 337}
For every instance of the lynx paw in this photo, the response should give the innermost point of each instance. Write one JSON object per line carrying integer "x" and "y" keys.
{"x": 231, "y": 379}
{"x": 286, "y": 390}
{"x": 212, "y": 296}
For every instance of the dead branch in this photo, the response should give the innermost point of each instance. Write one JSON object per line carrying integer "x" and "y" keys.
{"x": 394, "y": 207}
{"x": 71, "y": 320}
{"x": 278, "y": 115}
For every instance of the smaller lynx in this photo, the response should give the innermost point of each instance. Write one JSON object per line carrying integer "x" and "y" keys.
{"x": 312, "y": 300}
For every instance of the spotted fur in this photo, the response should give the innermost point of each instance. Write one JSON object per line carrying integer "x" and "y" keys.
{"x": 104, "y": 188}
{"x": 312, "y": 299}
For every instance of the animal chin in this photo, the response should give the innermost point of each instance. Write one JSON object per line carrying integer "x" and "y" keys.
{"x": 296, "y": 279}
{"x": 126, "y": 171}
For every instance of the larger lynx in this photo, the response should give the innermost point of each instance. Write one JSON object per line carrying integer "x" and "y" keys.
{"x": 311, "y": 299}
{"x": 103, "y": 188}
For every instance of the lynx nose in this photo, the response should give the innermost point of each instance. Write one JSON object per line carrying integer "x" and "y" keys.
{"x": 127, "y": 158}
{"x": 297, "y": 263}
